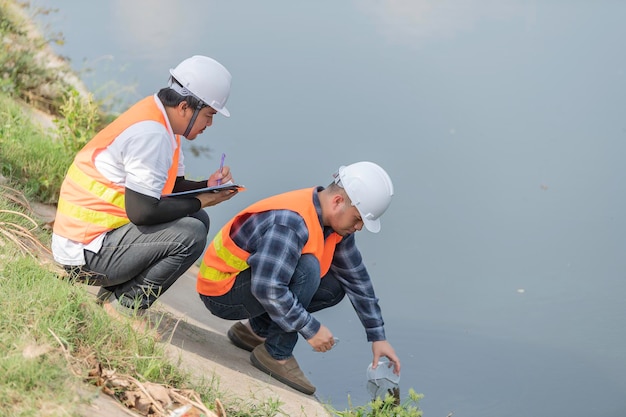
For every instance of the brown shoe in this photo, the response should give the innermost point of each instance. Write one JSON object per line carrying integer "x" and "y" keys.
{"x": 288, "y": 373}
{"x": 243, "y": 337}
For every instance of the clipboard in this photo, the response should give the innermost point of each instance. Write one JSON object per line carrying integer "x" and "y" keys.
{"x": 214, "y": 189}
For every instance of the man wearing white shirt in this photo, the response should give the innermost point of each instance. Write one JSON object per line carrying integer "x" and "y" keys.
{"x": 113, "y": 229}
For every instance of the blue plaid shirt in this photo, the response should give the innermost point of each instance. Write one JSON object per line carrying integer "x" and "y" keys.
{"x": 275, "y": 240}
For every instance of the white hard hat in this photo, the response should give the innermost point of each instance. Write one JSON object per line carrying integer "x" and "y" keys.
{"x": 369, "y": 188}
{"x": 204, "y": 78}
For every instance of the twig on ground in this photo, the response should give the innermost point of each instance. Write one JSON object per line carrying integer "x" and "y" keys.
{"x": 69, "y": 358}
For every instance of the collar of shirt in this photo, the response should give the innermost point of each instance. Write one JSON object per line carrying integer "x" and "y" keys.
{"x": 318, "y": 209}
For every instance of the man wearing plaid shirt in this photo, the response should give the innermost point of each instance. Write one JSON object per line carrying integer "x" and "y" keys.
{"x": 266, "y": 263}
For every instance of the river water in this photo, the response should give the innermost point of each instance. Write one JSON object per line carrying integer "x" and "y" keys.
{"x": 500, "y": 264}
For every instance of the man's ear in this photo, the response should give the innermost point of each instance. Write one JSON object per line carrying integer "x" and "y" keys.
{"x": 337, "y": 200}
{"x": 182, "y": 107}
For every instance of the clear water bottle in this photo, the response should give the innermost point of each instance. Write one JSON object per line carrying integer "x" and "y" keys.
{"x": 382, "y": 381}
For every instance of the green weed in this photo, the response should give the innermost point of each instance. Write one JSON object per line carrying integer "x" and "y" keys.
{"x": 29, "y": 156}
{"x": 79, "y": 121}
{"x": 386, "y": 408}
{"x": 24, "y": 71}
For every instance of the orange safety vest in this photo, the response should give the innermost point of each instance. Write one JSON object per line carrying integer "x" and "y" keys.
{"x": 224, "y": 260}
{"x": 89, "y": 204}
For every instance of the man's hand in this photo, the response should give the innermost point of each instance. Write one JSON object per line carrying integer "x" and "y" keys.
{"x": 211, "y": 199}
{"x": 383, "y": 348}
{"x": 323, "y": 340}
{"x": 222, "y": 177}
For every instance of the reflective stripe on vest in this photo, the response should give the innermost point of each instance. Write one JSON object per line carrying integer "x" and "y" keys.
{"x": 224, "y": 260}
{"x": 90, "y": 204}
{"x": 220, "y": 282}
{"x": 94, "y": 187}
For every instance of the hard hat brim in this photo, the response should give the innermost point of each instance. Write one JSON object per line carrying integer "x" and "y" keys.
{"x": 223, "y": 111}
{"x": 372, "y": 225}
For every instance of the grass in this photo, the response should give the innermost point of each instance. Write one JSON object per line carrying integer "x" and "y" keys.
{"x": 30, "y": 158}
{"x": 25, "y": 68}
{"x": 55, "y": 340}
{"x": 54, "y": 337}
{"x": 387, "y": 407}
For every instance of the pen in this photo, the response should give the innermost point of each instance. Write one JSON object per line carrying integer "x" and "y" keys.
{"x": 219, "y": 182}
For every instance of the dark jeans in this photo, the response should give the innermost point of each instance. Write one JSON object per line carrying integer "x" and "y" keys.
{"x": 139, "y": 263}
{"x": 312, "y": 292}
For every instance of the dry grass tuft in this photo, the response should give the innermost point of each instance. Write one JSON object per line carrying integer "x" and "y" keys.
{"x": 145, "y": 398}
{"x": 20, "y": 229}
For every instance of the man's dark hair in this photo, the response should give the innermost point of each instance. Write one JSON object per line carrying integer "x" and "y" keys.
{"x": 171, "y": 98}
